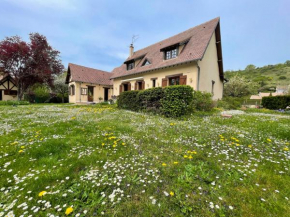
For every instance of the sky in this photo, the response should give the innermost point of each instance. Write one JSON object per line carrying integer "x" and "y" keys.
{"x": 98, "y": 33}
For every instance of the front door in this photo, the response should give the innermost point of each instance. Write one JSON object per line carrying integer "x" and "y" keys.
{"x": 90, "y": 94}
{"x": 0, "y": 95}
{"x": 106, "y": 96}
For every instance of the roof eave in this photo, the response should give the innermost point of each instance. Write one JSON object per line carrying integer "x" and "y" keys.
{"x": 158, "y": 68}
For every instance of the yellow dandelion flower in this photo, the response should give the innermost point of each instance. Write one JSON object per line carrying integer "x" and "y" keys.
{"x": 286, "y": 149}
{"x": 164, "y": 164}
{"x": 193, "y": 152}
{"x": 190, "y": 157}
{"x": 22, "y": 146}
{"x": 269, "y": 140}
{"x": 20, "y": 151}
{"x": 175, "y": 162}
{"x": 185, "y": 156}
{"x": 69, "y": 210}
{"x": 172, "y": 124}
{"x": 237, "y": 144}
{"x": 103, "y": 144}
{"x": 114, "y": 146}
{"x": 250, "y": 146}
{"x": 171, "y": 193}
{"x": 123, "y": 143}
{"x": 42, "y": 193}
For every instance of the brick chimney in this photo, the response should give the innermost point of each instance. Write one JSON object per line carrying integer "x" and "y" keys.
{"x": 131, "y": 50}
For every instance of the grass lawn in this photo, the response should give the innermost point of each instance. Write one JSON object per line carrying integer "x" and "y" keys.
{"x": 58, "y": 160}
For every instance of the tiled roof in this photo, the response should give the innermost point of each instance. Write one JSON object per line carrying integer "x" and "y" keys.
{"x": 88, "y": 75}
{"x": 195, "y": 48}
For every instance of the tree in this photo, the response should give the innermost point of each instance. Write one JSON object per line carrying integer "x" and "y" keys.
{"x": 29, "y": 63}
{"x": 238, "y": 86}
{"x": 60, "y": 87}
{"x": 287, "y": 63}
{"x": 250, "y": 67}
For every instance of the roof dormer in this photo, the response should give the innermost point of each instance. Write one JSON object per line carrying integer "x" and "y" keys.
{"x": 146, "y": 62}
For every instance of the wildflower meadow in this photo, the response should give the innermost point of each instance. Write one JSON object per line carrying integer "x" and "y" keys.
{"x": 67, "y": 160}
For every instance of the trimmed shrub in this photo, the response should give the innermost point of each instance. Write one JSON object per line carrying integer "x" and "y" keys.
{"x": 202, "y": 101}
{"x": 177, "y": 100}
{"x": 150, "y": 99}
{"x": 276, "y": 102}
{"x": 129, "y": 100}
{"x": 41, "y": 94}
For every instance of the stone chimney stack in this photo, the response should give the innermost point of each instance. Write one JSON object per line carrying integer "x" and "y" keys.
{"x": 131, "y": 50}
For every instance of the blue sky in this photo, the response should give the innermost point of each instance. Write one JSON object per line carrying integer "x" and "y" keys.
{"x": 97, "y": 33}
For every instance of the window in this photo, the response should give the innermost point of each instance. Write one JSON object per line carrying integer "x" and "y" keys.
{"x": 169, "y": 54}
{"x": 212, "y": 87}
{"x": 140, "y": 85}
{"x": 146, "y": 62}
{"x": 10, "y": 92}
{"x": 130, "y": 65}
{"x": 154, "y": 83}
{"x": 72, "y": 90}
{"x": 174, "y": 80}
{"x": 125, "y": 87}
{"x": 84, "y": 91}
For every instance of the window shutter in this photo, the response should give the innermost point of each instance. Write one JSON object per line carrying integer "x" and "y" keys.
{"x": 164, "y": 82}
{"x": 120, "y": 88}
{"x": 129, "y": 86}
{"x": 182, "y": 80}
{"x": 143, "y": 85}
{"x": 136, "y": 85}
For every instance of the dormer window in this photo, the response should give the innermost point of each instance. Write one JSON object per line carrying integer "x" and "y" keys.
{"x": 146, "y": 62}
{"x": 171, "y": 53}
{"x": 130, "y": 65}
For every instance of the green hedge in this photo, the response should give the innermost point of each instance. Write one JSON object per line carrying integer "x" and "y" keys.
{"x": 172, "y": 101}
{"x": 129, "y": 100}
{"x": 276, "y": 102}
{"x": 149, "y": 100}
{"x": 177, "y": 100}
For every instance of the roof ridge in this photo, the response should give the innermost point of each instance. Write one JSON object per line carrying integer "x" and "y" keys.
{"x": 88, "y": 67}
{"x": 217, "y": 18}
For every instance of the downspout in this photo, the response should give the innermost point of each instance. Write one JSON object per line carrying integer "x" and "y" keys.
{"x": 198, "y": 76}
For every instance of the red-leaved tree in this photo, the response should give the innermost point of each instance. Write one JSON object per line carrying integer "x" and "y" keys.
{"x": 29, "y": 63}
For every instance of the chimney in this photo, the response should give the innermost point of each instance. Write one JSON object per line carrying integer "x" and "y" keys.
{"x": 131, "y": 50}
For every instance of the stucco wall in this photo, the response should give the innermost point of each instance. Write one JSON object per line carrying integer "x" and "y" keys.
{"x": 189, "y": 69}
{"x": 99, "y": 91}
{"x": 7, "y": 97}
{"x": 209, "y": 71}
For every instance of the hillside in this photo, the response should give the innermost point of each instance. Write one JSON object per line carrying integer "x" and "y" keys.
{"x": 268, "y": 77}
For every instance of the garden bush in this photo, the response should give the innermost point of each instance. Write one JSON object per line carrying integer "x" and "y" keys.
{"x": 202, "y": 101}
{"x": 276, "y": 102}
{"x": 230, "y": 102}
{"x": 177, "y": 100}
{"x": 172, "y": 101}
{"x": 150, "y": 99}
{"x": 41, "y": 94}
{"x": 129, "y": 100}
